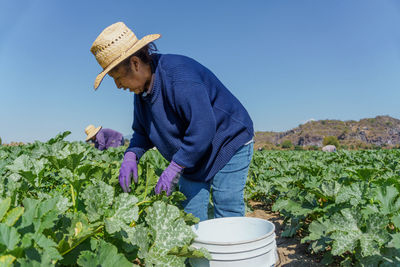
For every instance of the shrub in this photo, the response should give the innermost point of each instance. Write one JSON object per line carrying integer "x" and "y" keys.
{"x": 313, "y": 147}
{"x": 330, "y": 140}
{"x": 286, "y": 144}
{"x": 0, "y": 141}
{"x": 298, "y": 148}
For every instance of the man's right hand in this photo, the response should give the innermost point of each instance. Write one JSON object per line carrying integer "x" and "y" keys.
{"x": 128, "y": 168}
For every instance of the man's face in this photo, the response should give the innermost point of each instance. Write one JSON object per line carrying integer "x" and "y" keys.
{"x": 132, "y": 77}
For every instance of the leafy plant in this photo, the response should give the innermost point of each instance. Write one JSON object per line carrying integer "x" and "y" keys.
{"x": 61, "y": 204}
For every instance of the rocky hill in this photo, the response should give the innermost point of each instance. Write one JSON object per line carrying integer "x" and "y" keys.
{"x": 380, "y": 131}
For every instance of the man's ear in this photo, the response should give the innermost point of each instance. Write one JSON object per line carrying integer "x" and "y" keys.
{"x": 135, "y": 62}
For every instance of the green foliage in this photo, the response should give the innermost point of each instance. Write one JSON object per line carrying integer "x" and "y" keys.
{"x": 298, "y": 148}
{"x": 346, "y": 205}
{"x": 330, "y": 140}
{"x": 287, "y": 144}
{"x": 61, "y": 205}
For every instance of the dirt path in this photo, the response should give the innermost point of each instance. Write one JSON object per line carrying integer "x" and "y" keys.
{"x": 291, "y": 252}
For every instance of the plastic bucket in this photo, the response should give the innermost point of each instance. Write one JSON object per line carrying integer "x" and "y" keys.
{"x": 236, "y": 241}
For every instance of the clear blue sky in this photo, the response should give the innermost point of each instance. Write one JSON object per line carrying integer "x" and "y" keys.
{"x": 286, "y": 61}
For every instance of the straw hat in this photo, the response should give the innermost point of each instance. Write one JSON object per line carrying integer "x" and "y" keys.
{"x": 91, "y": 131}
{"x": 114, "y": 44}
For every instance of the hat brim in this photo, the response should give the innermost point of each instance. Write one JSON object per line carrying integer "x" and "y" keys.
{"x": 90, "y": 136}
{"x": 139, "y": 44}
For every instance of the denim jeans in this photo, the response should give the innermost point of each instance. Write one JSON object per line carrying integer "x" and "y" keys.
{"x": 227, "y": 188}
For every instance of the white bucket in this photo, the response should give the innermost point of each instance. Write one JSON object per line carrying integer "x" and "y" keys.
{"x": 236, "y": 241}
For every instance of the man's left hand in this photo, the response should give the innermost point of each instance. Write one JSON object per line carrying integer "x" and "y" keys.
{"x": 169, "y": 178}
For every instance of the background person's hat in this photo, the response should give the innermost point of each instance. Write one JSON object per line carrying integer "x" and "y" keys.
{"x": 114, "y": 44}
{"x": 91, "y": 131}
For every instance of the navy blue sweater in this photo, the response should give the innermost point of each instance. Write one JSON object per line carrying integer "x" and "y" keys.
{"x": 190, "y": 116}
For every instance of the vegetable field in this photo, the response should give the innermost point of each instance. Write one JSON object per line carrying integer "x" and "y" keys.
{"x": 61, "y": 205}
{"x": 345, "y": 205}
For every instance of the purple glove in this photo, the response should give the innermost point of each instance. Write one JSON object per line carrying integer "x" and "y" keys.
{"x": 128, "y": 167}
{"x": 169, "y": 178}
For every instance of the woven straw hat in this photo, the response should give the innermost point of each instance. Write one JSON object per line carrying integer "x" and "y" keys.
{"x": 91, "y": 131}
{"x": 114, "y": 44}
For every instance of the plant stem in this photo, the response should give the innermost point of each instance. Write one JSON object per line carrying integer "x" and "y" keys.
{"x": 73, "y": 197}
{"x": 82, "y": 240}
{"x": 147, "y": 182}
{"x": 143, "y": 202}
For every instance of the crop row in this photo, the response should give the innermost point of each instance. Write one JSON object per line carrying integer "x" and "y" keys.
{"x": 345, "y": 205}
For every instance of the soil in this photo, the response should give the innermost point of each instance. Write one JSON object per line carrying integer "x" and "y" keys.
{"x": 290, "y": 251}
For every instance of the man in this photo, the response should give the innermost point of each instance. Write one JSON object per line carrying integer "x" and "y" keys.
{"x": 103, "y": 138}
{"x": 182, "y": 108}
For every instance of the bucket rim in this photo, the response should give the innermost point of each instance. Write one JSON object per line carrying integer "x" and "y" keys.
{"x": 271, "y": 244}
{"x": 202, "y": 241}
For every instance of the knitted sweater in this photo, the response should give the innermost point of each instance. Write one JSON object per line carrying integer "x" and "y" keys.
{"x": 190, "y": 116}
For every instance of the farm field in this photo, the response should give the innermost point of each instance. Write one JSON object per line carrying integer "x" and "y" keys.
{"x": 61, "y": 204}
{"x": 344, "y": 206}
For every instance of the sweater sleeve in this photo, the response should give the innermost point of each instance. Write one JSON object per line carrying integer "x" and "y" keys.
{"x": 140, "y": 142}
{"x": 101, "y": 140}
{"x": 194, "y": 106}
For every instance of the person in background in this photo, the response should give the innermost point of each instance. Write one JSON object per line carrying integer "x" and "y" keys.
{"x": 185, "y": 111}
{"x": 103, "y": 138}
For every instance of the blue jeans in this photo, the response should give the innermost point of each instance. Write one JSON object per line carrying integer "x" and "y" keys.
{"x": 227, "y": 188}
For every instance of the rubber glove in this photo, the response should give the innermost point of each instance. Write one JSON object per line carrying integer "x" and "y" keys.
{"x": 169, "y": 178}
{"x": 128, "y": 168}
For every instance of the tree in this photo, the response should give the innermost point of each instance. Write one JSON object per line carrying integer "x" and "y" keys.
{"x": 330, "y": 140}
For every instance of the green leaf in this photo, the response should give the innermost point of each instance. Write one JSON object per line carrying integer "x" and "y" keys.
{"x": 4, "y": 206}
{"x": 396, "y": 220}
{"x": 42, "y": 214}
{"x": 375, "y": 236}
{"x": 319, "y": 234}
{"x": 28, "y": 168}
{"x": 124, "y": 212}
{"x": 190, "y": 252}
{"x": 291, "y": 206}
{"x": 391, "y": 257}
{"x": 344, "y": 241}
{"x": 48, "y": 246}
{"x": 58, "y": 138}
{"x": 7, "y": 260}
{"x": 388, "y": 198}
{"x": 75, "y": 229}
{"x": 98, "y": 198}
{"x": 106, "y": 255}
{"x": 169, "y": 231}
{"x": 142, "y": 239}
{"x": 43, "y": 261}
{"x": 395, "y": 242}
{"x": 352, "y": 194}
{"x": 9, "y": 236}
{"x": 13, "y": 216}
{"x": 346, "y": 232}
{"x": 330, "y": 188}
